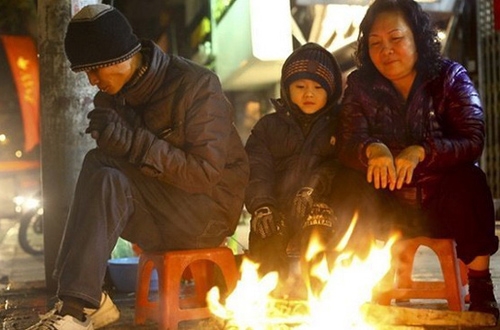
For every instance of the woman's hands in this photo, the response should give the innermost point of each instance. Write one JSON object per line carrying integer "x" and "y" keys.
{"x": 381, "y": 169}
{"x": 386, "y": 171}
{"x": 406, "y": 162}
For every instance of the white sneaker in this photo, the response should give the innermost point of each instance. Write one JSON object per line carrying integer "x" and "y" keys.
{"x": 53, "y": 321}
{"x": 107, "y": 313}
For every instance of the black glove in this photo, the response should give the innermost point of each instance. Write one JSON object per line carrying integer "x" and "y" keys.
{"x": 143, "y": 140}
{"x": 321, "y": 215}
{"x": 266, "y": 221}
{"x": 116, "y": 139}
{"x": 303, "y": 202}
{"x": 101, "y": 117}
{"x": 320, "y": 228}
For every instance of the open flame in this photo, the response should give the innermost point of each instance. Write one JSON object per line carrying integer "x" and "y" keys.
{"x": 346, "y": 288}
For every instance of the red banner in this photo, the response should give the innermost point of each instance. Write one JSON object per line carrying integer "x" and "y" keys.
{"x": 23, "y": 61}
{"x": 496, "y": 14}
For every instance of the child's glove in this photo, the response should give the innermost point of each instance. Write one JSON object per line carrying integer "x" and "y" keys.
{"x": 303, "y": 202}
{"x": 321, "y": 215}
{"x": 266, "y": 221}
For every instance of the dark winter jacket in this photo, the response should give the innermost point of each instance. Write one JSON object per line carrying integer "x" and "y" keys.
{"x": 289, "y": 150}
{"x": 187, "y": 138}
{"x": 442, "y": 114}
{"x": 282, "y": 159}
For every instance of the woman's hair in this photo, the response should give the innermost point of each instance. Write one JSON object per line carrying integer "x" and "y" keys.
{"x": 424, "y": 33}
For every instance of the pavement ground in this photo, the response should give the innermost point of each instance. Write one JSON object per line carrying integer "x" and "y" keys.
{"x": 23, "y": 296}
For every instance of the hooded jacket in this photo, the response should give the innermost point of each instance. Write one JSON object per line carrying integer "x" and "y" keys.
{"x": 188, "y": 139}
{"x": 443, "y": 114}
{"x": 289, "y": 150}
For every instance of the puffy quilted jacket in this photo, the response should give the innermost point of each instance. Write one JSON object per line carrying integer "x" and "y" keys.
{"x": 283, "y": 160}
{"x": 196, "y": 146}
{"x": 442, "y": 114}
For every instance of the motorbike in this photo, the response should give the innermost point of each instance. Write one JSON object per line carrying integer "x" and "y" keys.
{"x": 30, "y": 215}
{"x": 20, "y": 200}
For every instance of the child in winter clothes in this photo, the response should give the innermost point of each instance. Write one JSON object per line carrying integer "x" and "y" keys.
{"x": 293, "y": 162}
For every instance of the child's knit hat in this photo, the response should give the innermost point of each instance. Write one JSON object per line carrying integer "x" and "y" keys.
{"x": 311, "y": 61}
{"x": 98, "y": 36}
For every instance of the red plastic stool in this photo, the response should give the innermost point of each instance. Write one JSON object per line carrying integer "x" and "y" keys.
{"x": 170, "y": 308}
{"x": 398, "y": 284}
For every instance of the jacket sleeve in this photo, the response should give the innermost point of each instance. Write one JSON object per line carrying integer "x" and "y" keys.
{"x": 457, "y": 127}
{"x": 323, "y": 177}
{"x": 259, "y": 191}
{"x": 198, "y": 164}
{"x": 353, "y": 133}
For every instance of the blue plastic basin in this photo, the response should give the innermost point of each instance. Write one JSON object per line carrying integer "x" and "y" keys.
{"x": 123, "y": 272}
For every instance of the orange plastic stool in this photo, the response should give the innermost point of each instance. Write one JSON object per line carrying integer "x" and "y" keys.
{"x": 399, "y": 285}
{"x": 170, "y": 308}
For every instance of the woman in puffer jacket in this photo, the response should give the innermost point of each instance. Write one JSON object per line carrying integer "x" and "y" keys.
{"x": 412, "y": 128}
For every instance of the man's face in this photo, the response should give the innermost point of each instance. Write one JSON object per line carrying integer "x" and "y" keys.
{"x": 111, "y": 79}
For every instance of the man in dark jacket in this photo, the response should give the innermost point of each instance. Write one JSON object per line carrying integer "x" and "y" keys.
{"x": 169, "y": 170}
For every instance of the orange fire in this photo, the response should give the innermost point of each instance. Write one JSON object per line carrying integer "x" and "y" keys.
{"x": 346, "y": 288}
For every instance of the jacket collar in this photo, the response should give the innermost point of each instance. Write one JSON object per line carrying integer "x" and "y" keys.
{"x": 142, "y": 87}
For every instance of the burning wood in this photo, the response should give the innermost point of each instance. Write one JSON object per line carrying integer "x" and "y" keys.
{"x": 344, "y": 301}
{"x": 220, "y": 325}
{"x": 395, "y": 315}
{"x": 287, "y": 315}
{"x": 345, "y": 289}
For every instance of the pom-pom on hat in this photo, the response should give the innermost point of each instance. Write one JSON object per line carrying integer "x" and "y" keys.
{"x": 98, "y": 36}
{"x": 311, "y": 61}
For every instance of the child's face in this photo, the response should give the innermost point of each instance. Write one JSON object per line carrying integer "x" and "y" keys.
{"x": 308, "y": 95}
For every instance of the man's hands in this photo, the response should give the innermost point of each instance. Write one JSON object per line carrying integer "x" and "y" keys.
{"x": 112, "y": 133}
{"x": 266, "y": 221}
{"x": 100, "y": 118}
{"x": 115, "y": 140}
{"x": 385, "y": 171}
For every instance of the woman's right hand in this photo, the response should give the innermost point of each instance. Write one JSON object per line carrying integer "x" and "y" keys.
{"x": 381, "y": 170}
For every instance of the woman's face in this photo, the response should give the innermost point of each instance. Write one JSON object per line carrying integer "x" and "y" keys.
{"x": 392, "y": 47}
{"x": 308, "y": 95}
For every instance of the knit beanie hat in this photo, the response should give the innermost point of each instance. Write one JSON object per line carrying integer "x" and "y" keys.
{"x": 99, "y": 36}
{"x": 311, "y": 61}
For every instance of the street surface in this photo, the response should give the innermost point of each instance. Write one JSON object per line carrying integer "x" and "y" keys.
{"x": 23, "y": 297}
